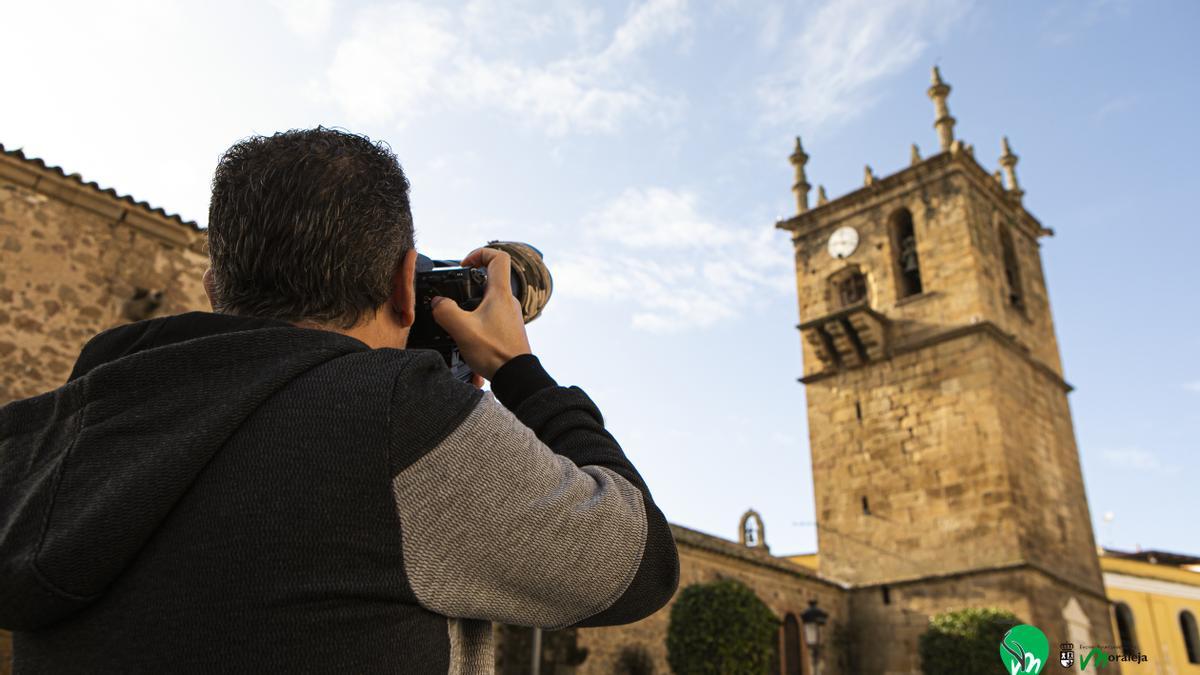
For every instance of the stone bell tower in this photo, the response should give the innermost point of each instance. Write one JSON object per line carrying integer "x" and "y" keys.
{"x": 944, "y": 459}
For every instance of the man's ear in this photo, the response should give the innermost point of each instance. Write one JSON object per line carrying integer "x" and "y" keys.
{"x": 208, "y": 288}
{"x": 404, "y": 293}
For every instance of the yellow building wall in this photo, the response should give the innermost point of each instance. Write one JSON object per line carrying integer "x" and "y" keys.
{"x": 1156, "y": 607}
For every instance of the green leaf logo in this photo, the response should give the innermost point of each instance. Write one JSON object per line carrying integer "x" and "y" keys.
{"x": 1024, "y": 649}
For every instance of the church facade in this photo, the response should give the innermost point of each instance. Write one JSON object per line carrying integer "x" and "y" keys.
{"x": 944, "y": 461}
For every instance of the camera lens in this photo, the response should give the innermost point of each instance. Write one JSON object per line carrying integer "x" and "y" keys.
{"x": 531, "y": 280}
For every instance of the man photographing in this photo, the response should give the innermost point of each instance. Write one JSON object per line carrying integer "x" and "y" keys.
{"x": 280, "y": 486}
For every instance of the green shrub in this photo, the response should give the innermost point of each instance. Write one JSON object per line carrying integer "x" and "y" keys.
{"x": 966, "y": 641}
{"x": 720, "y": 628}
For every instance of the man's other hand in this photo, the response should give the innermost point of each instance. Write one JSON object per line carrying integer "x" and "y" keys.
{"x": 495, "y": 332}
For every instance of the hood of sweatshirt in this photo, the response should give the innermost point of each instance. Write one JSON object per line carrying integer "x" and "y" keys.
{"x": 89, "y": 471}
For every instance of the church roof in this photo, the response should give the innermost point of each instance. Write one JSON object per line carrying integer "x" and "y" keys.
{"x": 1156, "y": 557}
{"x": 1171, "y": 568}
{"x": 39, "y": 165}
{"x": 707, "y": 542}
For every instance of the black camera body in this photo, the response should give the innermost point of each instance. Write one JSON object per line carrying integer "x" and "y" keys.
{"x": 530, "y": 282}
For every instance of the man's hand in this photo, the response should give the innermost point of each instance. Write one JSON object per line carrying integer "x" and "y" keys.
{"x": 495, "y": 332}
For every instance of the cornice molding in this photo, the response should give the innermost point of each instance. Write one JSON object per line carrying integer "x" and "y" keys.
{"x": 981, "y": 328}
{"x": 1127, "y": 582}
{"x": 991, "y": 569}
{"x": 915, "y": 177}
{"x": 70, "y": 189}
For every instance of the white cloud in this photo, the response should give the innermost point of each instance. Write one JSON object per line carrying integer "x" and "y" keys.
{"x": 410, "y": 58}
{"x": 646, "y": 24}
{"x": 306, "y": 18}
{"x": 1067, "y": 19}
{"x": 847, "y": 46}
{"x": 672, "y": 267}
{"x": 772, "y": 26}
{"x": 393, "y": 61}
{"x": 656, "y": 218}
{"x": 505, "y": 22}
{"x": 1134, "y": 458}
{"x": 1113, "y": 106}
{"x": 1192, "y": 386}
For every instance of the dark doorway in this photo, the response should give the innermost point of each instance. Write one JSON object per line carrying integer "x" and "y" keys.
{"x": 793, "y": 653}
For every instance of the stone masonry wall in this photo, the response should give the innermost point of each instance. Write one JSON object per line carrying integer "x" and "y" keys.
{"x": 949, "y": 274}
{"x": 919, "y": 439}
{"x": 1048, "y": 497}
{"x": 65, "y": 273}
{"x": 966, "y": 456}
{"x": 1032, "y": 596}
{"x": 957, "y": 219}
{"x": 1032, "y": 325}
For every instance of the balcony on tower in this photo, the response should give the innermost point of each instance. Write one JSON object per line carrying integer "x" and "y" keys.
{"x": 848, "y": 338}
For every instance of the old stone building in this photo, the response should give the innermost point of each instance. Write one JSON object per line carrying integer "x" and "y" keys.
{"x": 944, "y": 461}
{"x": 944, "y": 458}
{"x": 75, "y": 260}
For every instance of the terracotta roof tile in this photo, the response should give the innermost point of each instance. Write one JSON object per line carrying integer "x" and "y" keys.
{"x": 41, "y": 164}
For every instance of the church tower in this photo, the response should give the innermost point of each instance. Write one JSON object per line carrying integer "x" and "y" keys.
{"x": 944, "y": 459}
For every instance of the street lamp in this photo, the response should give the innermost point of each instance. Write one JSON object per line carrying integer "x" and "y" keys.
{"x": 813, "y": 618}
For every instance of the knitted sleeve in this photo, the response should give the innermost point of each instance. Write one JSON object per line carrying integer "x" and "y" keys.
{"x": 519, "y": 506}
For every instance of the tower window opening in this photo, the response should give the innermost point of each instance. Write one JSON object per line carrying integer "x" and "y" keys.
{"x": 1012, "y": 270}
{"x": 1125, "y": 628}
{"x": 865, "y": 506}
{"x": 858, "y": 410}
{"x": 907, "y": 264}
{"x": 887, "y": 594}
{"x": 1191, "y": 641}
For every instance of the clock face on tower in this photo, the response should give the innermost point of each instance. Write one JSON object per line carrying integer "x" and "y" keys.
{"x": 843, "y": 241}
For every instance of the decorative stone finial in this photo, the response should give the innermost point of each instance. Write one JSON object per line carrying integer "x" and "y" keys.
{"x": 915, "y": 158}
{"x": 868, "y": 177}
{"x": 801, "y": 186}
{"x": 969, "y": 148}
{"x": 944, "y": 123}
{"x": 999, "y": 178}
{"x": 822, "y": 199}
{"x": 1009, "y": 161}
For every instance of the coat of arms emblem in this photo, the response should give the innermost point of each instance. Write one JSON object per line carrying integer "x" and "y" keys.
{"x": 1066, "y": 654}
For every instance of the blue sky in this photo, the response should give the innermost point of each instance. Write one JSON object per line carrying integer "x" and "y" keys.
{"x": 642, "y": 146}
